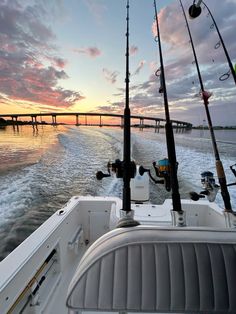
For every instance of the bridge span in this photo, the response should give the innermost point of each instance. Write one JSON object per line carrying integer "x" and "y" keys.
{"x": 141, "y": 119}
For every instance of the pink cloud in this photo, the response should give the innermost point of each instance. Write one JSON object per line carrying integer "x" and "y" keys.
{"x": 26, "y": 45}
{"x": 92, "y": 52}
{"x": 39, "y": 86}
{"x": 59, "y": 62}
{"x": 133, "y": 50}
{"x": 171, "y": 26}
{"x": 140, "y": 66}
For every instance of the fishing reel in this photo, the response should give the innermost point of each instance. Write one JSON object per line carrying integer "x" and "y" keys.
{"x": 210, "y": 187}
{"x": 117, "y": 168}
{"x": 162, "y": 170}
{"x": 233, "y": 169}
{"x": 209, "y": 184}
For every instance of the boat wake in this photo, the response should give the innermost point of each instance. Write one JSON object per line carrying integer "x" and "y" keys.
{"x": 29, "y": 195}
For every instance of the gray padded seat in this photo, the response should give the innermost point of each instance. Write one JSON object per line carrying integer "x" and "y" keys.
{"x": 151, "y": 269}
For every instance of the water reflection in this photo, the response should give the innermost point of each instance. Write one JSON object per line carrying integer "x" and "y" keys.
{"x": 15, "y": 128}
{"x": 25, "y": 144}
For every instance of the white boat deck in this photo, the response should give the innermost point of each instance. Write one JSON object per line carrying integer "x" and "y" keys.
{"x": 35, "y": 277}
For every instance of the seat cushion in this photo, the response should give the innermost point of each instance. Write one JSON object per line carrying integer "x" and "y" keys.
{"x": 151, "y": 269}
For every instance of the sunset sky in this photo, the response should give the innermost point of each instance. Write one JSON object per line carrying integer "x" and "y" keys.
{"x": 59, "y": 55}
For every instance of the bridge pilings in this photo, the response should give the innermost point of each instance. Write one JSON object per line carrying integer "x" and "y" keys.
{"x": 180, "y": 127}
{"x": 34, "y": 119}
{"x": 77, "y": 119}
{"x": 14, "y": 119}
{"x": 141, "y": 123}
{"x": 157, "y": 126}
{"x": 54, "y": 119}
{"x": 122, "y": 122}
{"x": 15, "y": 123}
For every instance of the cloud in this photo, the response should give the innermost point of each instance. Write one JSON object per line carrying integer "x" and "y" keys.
{"x": 174, "y": 32}
{"x": 140, "y": 66}
{"x": 180, "y": 70}
{"x": 92, "y": 52}
{"x": 133, "y": 50}
{"x": 59, "y": 62}
{"x": 38, "y": 87}
{"x": 183, "y": 94}
{"x": 112, "y": 107}
{"x": 30, "y": 68}
{"x": 97, "y": 9}
{"x": 111, "y": 77}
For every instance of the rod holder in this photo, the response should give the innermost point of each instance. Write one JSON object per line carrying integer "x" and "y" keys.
{"x": 127, "y": 219}
{"x": 230, "y": 219}
{"x": 178, "y": 218}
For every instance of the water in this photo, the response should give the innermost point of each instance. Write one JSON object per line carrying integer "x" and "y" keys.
{"x": 41, "y": 169}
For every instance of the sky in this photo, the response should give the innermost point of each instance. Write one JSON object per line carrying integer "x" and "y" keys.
{"x": 69, "y": 56}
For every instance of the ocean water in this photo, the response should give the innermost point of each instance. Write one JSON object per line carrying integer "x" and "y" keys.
{"x": 40, "y": 169}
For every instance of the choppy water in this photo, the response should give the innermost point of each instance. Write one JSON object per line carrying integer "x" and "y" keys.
{"x": 41, "y": 169}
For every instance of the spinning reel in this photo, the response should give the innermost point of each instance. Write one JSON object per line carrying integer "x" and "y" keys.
{"x": 210, "y": 187}
{"x": 162, "y": 170}
{"x": 117, "y": 168}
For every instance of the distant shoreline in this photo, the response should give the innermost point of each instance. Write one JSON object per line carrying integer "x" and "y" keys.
{"x": 215, "y": 127}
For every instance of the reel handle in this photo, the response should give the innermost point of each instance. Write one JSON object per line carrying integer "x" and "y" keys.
{"x": 195, "y": 196}
{"x": 100, "y": 175}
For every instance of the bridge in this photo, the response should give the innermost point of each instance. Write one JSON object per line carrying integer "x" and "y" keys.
{"x": 77, "y": 115}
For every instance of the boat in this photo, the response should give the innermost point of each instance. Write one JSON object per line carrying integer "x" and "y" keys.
{"x": 106, "y": 254}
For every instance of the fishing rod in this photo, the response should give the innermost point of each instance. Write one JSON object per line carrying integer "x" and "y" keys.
{"x": 126, "y": 147}
{"x": 168, "y": 127}
{"x": 205, "y": 96}
{"x": 125, "y": 169}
